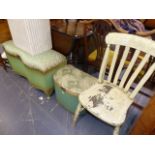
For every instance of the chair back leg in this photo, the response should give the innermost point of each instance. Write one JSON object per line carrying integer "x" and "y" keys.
{"x": 116, "y": 130}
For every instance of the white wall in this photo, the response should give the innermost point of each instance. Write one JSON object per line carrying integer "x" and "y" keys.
{"x": 31, "y": 35}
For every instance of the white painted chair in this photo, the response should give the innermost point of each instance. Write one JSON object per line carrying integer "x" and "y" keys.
{"x": 110, "y": 98}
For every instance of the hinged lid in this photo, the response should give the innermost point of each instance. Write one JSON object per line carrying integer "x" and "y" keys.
{"x": 73, "y": 80}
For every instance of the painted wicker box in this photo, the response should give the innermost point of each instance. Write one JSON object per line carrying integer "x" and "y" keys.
{"x": 38, "y": 69}
{"x": 69, "y": 82}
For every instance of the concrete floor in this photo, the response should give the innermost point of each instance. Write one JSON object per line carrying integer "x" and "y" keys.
{"x": 23, "y": 113}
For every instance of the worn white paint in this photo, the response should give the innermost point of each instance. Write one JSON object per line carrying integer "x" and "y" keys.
{"x": 137, "y": 71}
{"x": 115, "y": 99}
{"x": 132, "y": 41}
{"x": 113, "y": 63}
{"x": 143, "y": 80}
{"x": 110, "y": 101}
{"x": 125, "y": 54}
{"x": 129, "y": 68}
{"x": 104, "y": 64}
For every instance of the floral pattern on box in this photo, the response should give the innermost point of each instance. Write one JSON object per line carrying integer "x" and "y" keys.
{"x": 73, "y": 80}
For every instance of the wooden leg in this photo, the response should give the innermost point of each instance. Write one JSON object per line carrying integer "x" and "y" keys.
{"x": 77, "y": 113}
{"x": 3, "y": 63}
{"x": 4, "y": 66}
{"x": 116, "y": 130}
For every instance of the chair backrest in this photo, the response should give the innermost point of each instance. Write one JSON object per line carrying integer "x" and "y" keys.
{"x": 100, "y": 29}
{"x": 139, "y": 44}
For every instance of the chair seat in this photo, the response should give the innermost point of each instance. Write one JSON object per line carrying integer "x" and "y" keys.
{"x": 107, "y": 102}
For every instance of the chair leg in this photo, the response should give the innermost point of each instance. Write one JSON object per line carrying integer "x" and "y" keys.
{"x": 3, "y": 64}
{"x": 77, "y": 113}
{"x": 116, "y": 130}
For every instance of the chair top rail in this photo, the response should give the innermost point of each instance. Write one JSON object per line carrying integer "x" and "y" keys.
{"x": 133, "y": 41}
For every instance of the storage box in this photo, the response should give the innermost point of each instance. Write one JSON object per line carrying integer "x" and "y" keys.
{"x": 38, "y": 69}
{"x": 69, "y": 82}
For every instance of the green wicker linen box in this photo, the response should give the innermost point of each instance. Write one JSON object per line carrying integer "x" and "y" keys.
{"x": 69, "y": 82}
{"x": 38, "y": 69}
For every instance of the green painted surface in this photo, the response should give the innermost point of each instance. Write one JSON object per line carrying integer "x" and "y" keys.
{"x": 69, "y": 83}
{"x": 42, "y": 81}
{"x": 43, "y": 61}
{"x": 67, "y": 100}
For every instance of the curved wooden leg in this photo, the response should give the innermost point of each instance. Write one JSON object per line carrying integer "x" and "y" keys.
{"x": 116, "y": 130}
{"x": 3, "y": 63}
{"x": 77, "y": 113}
{"x": 4, "y": 66}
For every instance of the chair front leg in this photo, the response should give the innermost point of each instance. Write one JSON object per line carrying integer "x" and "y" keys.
{"x": 116, "y": 130}
{"x": 77, "y": 113}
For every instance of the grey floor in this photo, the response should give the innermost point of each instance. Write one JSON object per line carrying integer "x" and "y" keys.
{"x": 22, "y": 112}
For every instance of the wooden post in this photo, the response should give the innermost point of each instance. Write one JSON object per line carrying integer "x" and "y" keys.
{"x": 145, "y": 125}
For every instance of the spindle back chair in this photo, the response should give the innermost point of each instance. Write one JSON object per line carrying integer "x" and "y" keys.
{"x": 110, "y": 98}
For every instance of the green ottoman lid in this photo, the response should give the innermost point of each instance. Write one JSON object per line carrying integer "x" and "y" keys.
{"x": 43, "y": 61}
{"x": 73, "y": 80}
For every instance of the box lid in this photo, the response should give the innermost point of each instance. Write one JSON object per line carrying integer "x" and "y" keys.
{"x": 73, "y": 80}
